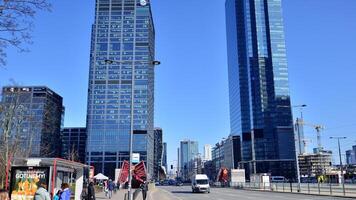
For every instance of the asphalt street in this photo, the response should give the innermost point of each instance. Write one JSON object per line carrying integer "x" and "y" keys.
{"x": 185, "y": 193}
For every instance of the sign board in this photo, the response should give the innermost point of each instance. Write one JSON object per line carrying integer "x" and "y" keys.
{"x": 26, "y": 180}
{"x": 238, "y": 176}
{"x": 135, "y": 158}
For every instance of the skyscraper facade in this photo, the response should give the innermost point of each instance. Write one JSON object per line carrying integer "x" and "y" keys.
{"x": 207, "y": 152}
{"x": 158, "y": 152}
{"x": 37, "y": 119}
{"x": 260, "y": 107}
{"x": 123, "y": 33}
{"x": 74, "y": 143}
{"x": 189, "y": 150}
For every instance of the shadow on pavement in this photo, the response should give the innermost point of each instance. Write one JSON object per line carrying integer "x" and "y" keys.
{"x": 182, "y": 192}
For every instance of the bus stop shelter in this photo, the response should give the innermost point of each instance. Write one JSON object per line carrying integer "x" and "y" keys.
{"x": 28, "y": 173}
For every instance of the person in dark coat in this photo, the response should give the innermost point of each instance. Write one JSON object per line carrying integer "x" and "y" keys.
{"x": 91, "y": 191}
{"x": 144, "y": 188}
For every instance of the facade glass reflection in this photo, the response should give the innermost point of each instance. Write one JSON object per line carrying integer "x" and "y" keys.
{"x": 37, "y": 117}
{"x": 124, "y": 33}
{"x": 260, "y": 108}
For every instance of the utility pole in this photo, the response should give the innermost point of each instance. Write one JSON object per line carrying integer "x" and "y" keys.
{"x": 341, "y": 168}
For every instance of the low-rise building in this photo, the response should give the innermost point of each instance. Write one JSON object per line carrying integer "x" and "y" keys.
{"x": 315, "y": 164}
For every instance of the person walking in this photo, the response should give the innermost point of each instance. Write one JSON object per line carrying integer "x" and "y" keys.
{"x": 42, "y": 193}
{"x": 106, "y": 189}
{"x": 144, "y": 188}
{"x": 91, "y": 191}
{"x": 66, "y": 193}
{"x": 4, "y": 195}
{"x": 111, "y": 187}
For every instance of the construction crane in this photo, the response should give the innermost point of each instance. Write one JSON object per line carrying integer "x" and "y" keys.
{"x": 318, "y": 129}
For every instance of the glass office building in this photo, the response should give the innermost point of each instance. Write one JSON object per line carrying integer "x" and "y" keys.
{"x": 37, "y": 115}
{"x": 189, "y": 150}
{"x": 123, "y": 32}
{"x": 260, "y": 108}
{"x": 74, "y": 143}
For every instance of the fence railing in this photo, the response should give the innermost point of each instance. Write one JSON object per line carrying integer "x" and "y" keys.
{"x": 332, "y": 189}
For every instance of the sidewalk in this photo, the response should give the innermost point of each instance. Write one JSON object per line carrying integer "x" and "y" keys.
{"x": 120, "y": 195}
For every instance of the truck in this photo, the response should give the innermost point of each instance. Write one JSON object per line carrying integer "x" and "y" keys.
{"x": 200, "y": 183}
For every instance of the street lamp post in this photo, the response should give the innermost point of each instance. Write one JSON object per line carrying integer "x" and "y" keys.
{"x": 341, "y": 169}
{"x": 299, "y": 142}
{"x": 129, "y": 192}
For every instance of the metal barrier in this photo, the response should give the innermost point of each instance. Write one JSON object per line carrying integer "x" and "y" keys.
{"x": 326, "y": 189}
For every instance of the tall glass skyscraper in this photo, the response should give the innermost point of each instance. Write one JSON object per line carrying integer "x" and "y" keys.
{"x": 260, "y": 108}
{"x": 123, "y": 32}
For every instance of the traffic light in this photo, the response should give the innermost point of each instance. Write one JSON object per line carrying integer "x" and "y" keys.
{"x": 171, "y": 166}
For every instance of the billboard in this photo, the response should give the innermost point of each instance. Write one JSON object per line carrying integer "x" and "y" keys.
{"x": 26, "y": 180}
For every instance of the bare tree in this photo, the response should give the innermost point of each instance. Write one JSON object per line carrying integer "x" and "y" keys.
{"x": 73, "y": 154}
{"x": 16, "y": 23}
{"x": 12, "y": 116}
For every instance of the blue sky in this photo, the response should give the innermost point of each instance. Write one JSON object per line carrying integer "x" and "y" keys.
{"x": 191, "y": 84}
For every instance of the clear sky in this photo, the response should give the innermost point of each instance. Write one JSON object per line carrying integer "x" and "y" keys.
{"x": 191, "y": 84}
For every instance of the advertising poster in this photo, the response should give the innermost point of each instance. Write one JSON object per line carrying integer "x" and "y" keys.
{"x": 26, "y": 180}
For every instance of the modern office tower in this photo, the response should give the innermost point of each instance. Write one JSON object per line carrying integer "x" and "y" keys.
{"x": 207, "y": 152}
{"x": 123, "y": 39}
{"x": 351, "y": 156}
{"x": 74, "y": 143}
{"x": 158, "y": 152}
{"x": 164, "y": 157}
{"x": 36, "y": 121}
{"x": 189, "y": 150}
{"x": 260, "y": 108}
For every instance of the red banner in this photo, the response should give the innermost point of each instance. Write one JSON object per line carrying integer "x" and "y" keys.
{"x": 139, "y": 172}
{"x": 124, "y": 174}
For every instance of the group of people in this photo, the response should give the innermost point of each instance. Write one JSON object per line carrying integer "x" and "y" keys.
{"x": 43, "y": 194}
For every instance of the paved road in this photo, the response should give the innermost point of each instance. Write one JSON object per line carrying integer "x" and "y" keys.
{"x": 185, "y": 193}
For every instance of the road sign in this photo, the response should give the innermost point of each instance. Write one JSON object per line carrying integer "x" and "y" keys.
{"x": 135, "y": 158}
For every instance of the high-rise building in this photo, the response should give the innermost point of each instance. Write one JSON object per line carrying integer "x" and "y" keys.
{"x": 164, "y": 157}
{"x": 189, "y": 150}
{"x": 123, "y": 41}
{"x": 37, "y": 121}
{"x": 260, "y": 107}
{"x": 74, "y": 143}
{"x": 158, "y": 152}
{"x": 207, "y": 152}
{"x": 351, "y": 156}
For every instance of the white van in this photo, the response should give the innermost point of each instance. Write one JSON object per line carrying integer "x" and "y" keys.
{"x": 200, "y": 183}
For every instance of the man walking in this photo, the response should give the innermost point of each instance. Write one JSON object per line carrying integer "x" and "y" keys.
{"x": 111, "y": 187}
{"x": 144, "y": 188}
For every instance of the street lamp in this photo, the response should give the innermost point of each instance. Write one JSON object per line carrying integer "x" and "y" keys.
{"x": 299, "y": 142}
{"x": 341, "y": 169}
{"x": 107, "y": 61}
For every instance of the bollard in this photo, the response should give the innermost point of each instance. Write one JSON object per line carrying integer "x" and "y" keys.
{"x": 308, "y": 188}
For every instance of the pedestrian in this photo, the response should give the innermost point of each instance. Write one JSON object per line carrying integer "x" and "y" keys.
{"x": 111, "y": 187}
{"x": 106, "y": 189}
{"x": 91, "y": 191}
{"x": 42, "y": 193}
{"x": 4, "y": 195}
{"x": 144, "y": 188}
{"x": 57, "y": 195}
{"x": 66, "y": 193}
